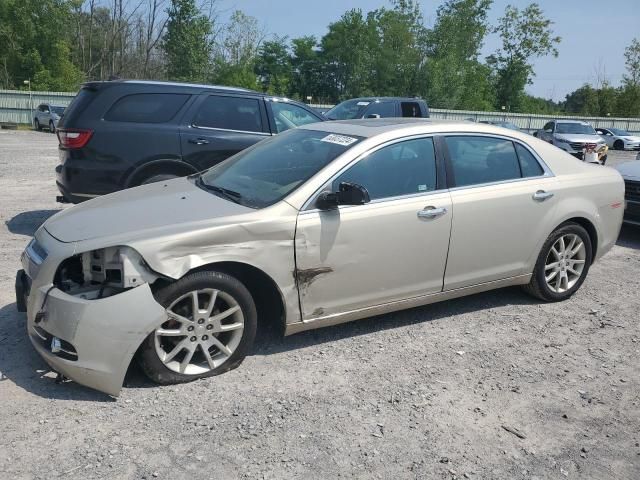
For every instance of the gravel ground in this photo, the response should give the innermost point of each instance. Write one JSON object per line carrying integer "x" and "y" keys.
{"x": 433, "y": 392}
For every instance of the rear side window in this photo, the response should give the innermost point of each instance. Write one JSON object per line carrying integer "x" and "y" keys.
{"x": 411, "y": 109}
{"x": 146, "y": 108}
{"x": 528, "y": 163}
{"x": 230, "y": 113}
{"x": 477, "y": 160}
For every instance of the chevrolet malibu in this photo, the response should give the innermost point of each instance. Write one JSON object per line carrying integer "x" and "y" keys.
{"x": 324, "y": 224}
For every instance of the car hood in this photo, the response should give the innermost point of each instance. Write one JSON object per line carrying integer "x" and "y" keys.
{"x": 629, "y": 170}
{"x": 579, "y": 138}
{"x": 631, "y": 138}
{"x": 138, "y": 210}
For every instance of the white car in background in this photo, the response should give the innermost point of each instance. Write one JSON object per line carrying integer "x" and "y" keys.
{"x": 619, "y": 139}
{"x": 573, "y": 136}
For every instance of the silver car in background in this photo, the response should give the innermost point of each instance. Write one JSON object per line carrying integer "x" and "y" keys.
{"x": 327, "y": 223}
{"x": 619, "y": 139}
{"x": 47, "y": 116}
{"x": 572, "y": 136}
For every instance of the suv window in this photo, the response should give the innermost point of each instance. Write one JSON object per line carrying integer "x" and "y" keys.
{"x": 477, "y": 160}
{"x": 548, "y": 126}
{"x": 288, "y": 115}
{"x": 528, "y": 163}
{"x": 146, "y": 107}
{"x": 229, "y": 113}
{"x": 399, "y": 169}
{"x": 384, "y": 109}
{"x": 411, "y": 109}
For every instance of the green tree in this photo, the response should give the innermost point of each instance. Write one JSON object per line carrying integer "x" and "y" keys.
{"x": 583, "y": 101}
{"x": 628, "y": 101}
{"x": 186, "y": 43}
{"x": 273, "y": 66}
{"x": 526, "y": 35}
{"x": 453, "y": 75}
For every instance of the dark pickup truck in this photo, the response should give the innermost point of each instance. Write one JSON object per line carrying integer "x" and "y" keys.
{"x": 379, "y": 107}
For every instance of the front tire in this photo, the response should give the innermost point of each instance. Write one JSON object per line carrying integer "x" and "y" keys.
{"x": 618, "y": 145}
{"x": 210, "y": 327}
{"x": 36, "y": 125}
{"x": 52, "y": 128}
{"x": 562, "y": 265}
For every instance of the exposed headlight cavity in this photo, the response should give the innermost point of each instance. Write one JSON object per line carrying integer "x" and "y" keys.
{"x": 103, "y": 273}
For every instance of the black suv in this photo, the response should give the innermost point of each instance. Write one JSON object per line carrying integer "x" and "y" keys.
{"x": 120, "y": 134}
{"x": 379, "y": 107}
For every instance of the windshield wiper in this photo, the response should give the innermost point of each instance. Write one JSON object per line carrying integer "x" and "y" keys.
{"x": 223, "y": 192}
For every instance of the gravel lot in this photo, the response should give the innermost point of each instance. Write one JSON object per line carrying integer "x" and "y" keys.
{"x": 424, "y": 393}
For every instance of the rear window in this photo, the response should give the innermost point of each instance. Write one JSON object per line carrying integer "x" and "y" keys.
{"x": 146, "y": 108}
{"x": 79, "y": 104}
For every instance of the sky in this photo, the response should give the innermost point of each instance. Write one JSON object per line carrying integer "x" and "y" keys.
{"x": 594, "y": 33}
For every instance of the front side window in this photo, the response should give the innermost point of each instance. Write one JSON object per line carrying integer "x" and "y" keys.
{"x": 288, "y": 115}
{"x": 548, "y": 127}
{"x": 478, "y": 160}
{"x": 270, "y": 170}
{"x": 403, "y": 168}
{"x": 229, "y": 113}
{"x": 146, "y": 107}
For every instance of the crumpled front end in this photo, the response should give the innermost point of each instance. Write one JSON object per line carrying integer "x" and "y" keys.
{"x": 87, "y": 321}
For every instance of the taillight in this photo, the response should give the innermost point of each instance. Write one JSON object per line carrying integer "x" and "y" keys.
{"x": 75, "y": 138}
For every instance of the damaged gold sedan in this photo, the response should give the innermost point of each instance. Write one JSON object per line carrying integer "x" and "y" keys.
{"x": 324, "y": 224}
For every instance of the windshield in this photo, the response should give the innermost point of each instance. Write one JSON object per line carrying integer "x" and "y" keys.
{"x": 576, "y": 128}
{"x": 272, "y": 169}
{"x": 620, "y": 133}
{"x": 348, "y": 110}
{"x": 58, "y": 110}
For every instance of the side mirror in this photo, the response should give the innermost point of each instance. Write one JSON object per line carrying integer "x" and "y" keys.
{"x": 347, "y": 194}
{"x": 373, "y": 115}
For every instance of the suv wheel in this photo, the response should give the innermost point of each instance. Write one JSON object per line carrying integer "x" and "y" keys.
{"x": 52, "y": 128}
{"x": 562, "y": 265}
{"x": 158, "y": 178}
{"x": 618, "y": 145}
{"x": 210, "y": 327}
{"x": 36, "y": 125}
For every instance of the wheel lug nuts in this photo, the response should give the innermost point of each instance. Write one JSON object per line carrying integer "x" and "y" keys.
{"x": 193, "y": 339}
{"x": 201, "y": 321}
{"x": 205, "y": 337}
{"x": 190, "y": 328}
{"x": 209, "y": 327}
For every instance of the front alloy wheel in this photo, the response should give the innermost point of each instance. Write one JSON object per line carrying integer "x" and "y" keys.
{"x": 203, "y": 330}
{"x": 210, "y": 326}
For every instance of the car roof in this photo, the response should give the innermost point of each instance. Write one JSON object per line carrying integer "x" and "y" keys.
{"x": 371, "y": 127}
{"x": 377, "y": 99}
{"x": 171, "y": 84}
{"x": 580, "y": 122}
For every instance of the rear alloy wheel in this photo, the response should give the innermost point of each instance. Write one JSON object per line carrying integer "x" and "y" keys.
{"x": 36, "y": 125}
{"x": 210, "y": 326}
{"x": 562, "y": 265}
{"x": 52, "y": 128}
{"x": 618, "y": 145}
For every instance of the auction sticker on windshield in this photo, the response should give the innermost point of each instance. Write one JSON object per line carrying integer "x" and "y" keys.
{"x": 339, "y": 139}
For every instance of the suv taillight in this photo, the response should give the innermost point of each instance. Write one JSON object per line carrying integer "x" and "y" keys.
{"x": 75, "y": 138}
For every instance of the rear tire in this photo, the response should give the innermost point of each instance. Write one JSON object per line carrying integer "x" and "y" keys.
{"x": 36, "y": 125}
{"x": 562, "y": 265}
{"x": 52, "y": 128}
{"x": 210, "y": 339}
{"x": 618, "y": 145}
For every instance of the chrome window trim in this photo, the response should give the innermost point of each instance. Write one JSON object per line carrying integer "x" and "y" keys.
{"x": 305, "y": 208}
{"x": 199, "y": 127}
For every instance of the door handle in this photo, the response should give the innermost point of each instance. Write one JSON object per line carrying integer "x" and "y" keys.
{"x": 199, "y": 141}
{"x": 431, "y": 212}
{"x": 541, "y": 195}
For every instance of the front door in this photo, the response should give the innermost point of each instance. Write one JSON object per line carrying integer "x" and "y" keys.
{"x": 502, "y": 206}
{"x": 219, "y": 126}
{"x": 390, "y": 249}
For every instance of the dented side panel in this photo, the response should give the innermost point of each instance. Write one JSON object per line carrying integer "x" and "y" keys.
{"x": 358, "y": 256}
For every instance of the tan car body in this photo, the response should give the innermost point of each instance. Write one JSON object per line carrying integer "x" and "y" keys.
{"x": 328, "y": 266}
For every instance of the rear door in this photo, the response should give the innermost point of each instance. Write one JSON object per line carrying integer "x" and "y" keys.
{"x": 503, "y": 205}
{"x": 218, "y": 126}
